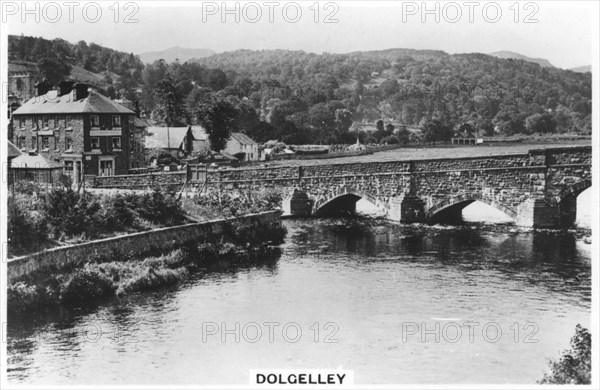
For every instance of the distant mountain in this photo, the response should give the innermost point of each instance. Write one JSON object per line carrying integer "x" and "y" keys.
{"x": 510, "y": 54}
{"x": 582, "y": 69}
{"x": 170, "y": 55}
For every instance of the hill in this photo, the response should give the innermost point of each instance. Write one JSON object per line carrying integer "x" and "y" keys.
{"x": 510, "y": 54}
{"x": 582, "y": 69}
{"x": 112, "y": 71}
{"x": 175, "y": 53}
{"x": 299, "y": 97}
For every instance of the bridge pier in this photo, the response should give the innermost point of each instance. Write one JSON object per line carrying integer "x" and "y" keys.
{"x": 299, "y": 204}
{"x": 540, "y": 213}
{"x": 407, "y": 209}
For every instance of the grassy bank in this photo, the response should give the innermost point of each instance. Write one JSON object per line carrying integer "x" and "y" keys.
{"x": 104, "y": 276}
{"x": 38, "y": 220}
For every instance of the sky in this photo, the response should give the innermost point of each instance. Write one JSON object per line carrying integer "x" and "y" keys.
{"x": 562, "y": 32}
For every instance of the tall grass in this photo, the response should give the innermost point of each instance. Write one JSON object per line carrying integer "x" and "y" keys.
{"x": 105, "y": 276}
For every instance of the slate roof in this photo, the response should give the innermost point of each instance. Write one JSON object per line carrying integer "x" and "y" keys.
{"x": 51, "y": 103}
{"x": 465, "y": 135}
{"x": 12, "y": 150}
{"x": 156, "y": 137}
{"x": 243, "y": 139}
{"x": 139, "y": 122}
{"x": 33, "y": 161}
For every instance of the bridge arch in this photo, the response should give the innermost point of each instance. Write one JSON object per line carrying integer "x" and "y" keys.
{"x": 573, "y": 190}
{"x": 346, "y": 192}
{"x": 459, "y": 202}
{"x": 566, "y": 200}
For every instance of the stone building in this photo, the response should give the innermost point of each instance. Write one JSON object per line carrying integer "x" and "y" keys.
{"x": 242, "y": 147}
{"x": 22, "y": 79}
{"x": 78, "y": 128}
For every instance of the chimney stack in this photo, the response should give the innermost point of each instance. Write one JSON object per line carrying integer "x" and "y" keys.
{"x": 43, "y": 88}
{"x": 81, "y": 91}
{"x": 65, "y": 87}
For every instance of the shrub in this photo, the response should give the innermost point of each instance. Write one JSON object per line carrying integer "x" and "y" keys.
{"x": 70, "y": 213}
{"x": 87, "y": 283}
{"x": 120, "y": 212}
{"x": 21, "y": 294}
{"x": 161, "y": 208}
{"x": 27, "y": 230}
{"x": 575, "y": 365}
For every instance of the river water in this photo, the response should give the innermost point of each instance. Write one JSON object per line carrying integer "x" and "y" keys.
{"x": 396, "y": 304}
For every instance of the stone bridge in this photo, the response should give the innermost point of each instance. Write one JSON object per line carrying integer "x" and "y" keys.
{"x": 538, "y": 188}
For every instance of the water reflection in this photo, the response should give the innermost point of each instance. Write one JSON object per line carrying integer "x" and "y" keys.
{"x": 367, "y": 276}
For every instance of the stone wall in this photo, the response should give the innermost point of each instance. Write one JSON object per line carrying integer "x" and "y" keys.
{"x": 506, "y": 182}
{"x": 136, "y": 244}
{"x": 141, "y": 181}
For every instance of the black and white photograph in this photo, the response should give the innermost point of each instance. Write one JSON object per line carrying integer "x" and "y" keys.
{"x": 299, "y": 194}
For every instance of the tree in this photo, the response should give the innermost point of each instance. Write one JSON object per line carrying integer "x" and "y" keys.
{"x": 540, "y": 123}
{"x": 53, "y": 71}
{"x": 403, "y": 135}
{"x": 434, "y": 130}
{"x": 219, "y": 118}
{"x": 169, "y": 107}
{"x": 575, "y": 365}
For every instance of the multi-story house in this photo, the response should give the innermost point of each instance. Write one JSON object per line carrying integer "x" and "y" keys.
{"x": 84, "y": 131}
{"x": 242, "y": 147}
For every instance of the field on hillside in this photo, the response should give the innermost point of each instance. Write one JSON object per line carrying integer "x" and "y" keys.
{"x": 441, "y": 151}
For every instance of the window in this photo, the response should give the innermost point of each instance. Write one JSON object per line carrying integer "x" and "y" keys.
{"x": 45, "y": 121}
{"x": 21, "y": 122}
{"x": 69, "y": 122}
{"x": 59, "y": 121}
{"x": 95, "y": 143}
{"x": 95, "y": 120}
{"x": 106, "y": 168}
{"x": 116, "y": 121}
{"x": 21, "y": 142}
{"x": 38, "y": 121}
{"x": 33, "y": 142}
{"x": 116, "y": 142}
{"x": 45, "y": 142}
{"x": 68, "y": 168}
{"x": 68, "y": 144}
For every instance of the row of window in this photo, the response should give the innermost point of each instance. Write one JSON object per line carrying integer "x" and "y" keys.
{"x": 116, "y": 142}
{"x": 45, "y": 143}
{"x": 95, "y": 121}
{"x": 43, "y": 121}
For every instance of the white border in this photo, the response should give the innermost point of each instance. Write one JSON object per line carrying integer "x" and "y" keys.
{"x": 595, "y": 226}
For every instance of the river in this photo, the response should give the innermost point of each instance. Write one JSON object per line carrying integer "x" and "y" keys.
{"x": 396, "y": 304}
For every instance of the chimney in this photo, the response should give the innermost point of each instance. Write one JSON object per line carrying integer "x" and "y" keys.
{"x": 65, "y": 87}
{"x": 43, "y": 88}
{"x": 81, "y": 91}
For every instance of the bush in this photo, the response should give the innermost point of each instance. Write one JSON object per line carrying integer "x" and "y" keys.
{"x": 87, "y": 283}
{"x": 27, "y": 230}
{"x": 575, "y": 365}
{"x": 120, "y": 212}
{"x": 70, "y": 213}
{"x": 161, "y": 208}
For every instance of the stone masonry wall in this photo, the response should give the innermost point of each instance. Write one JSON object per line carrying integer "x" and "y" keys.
{"x": 132, "y": 244}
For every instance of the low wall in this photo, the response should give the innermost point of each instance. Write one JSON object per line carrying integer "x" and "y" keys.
{"x": 158, "y": 179}
{"x": 324, "y": 156}
{"x": 136, "y": 244}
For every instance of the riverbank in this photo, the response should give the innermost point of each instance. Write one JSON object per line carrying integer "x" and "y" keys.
{"x": 81, "y": 279}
